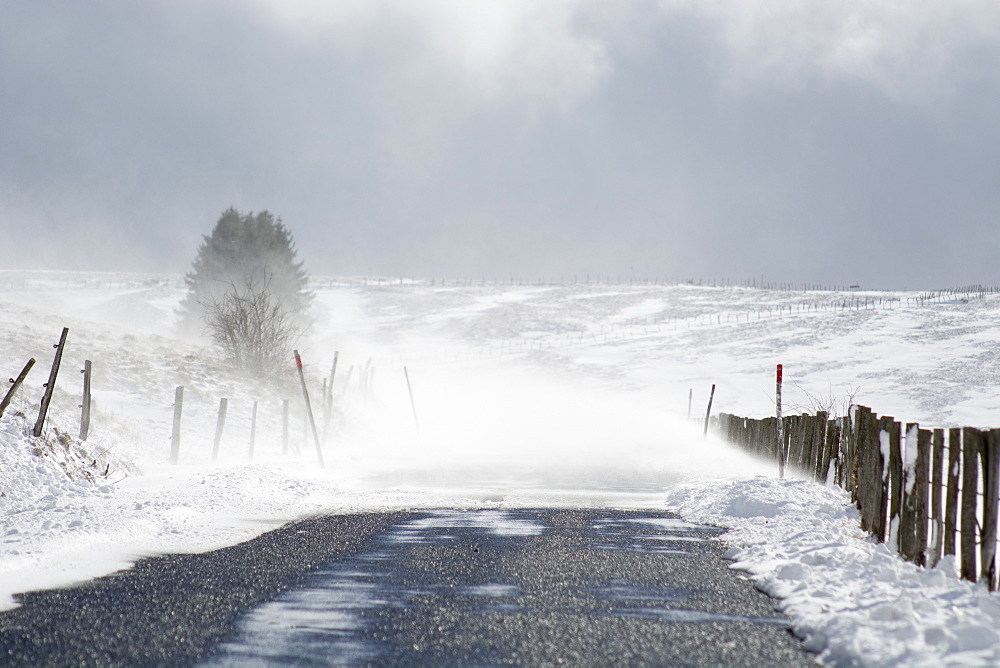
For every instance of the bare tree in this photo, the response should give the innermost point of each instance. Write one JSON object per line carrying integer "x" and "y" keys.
{"x": 832, "y": 404}
{"x": 254, "y": 328}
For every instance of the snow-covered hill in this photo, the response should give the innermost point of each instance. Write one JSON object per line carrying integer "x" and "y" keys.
{"x": 525, "y": 395}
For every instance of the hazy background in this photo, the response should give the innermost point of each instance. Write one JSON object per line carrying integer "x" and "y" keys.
{"x": 801, "y": 140}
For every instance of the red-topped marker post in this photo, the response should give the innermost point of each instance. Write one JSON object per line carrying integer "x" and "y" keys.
{"x": 781, "y": 430}
{"x": 309, "y": 410}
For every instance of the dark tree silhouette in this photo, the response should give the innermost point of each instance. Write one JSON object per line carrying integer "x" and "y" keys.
{"x": 245, "y": 250}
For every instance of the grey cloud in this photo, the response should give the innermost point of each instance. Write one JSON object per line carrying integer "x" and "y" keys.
{"x": 608, "y": 138}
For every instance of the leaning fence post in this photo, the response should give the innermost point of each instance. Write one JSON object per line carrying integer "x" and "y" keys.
{"x": 51, "y": 385}
{"x": 709, "y": 411}
{"x": 309, "y": 413}
{"x": 219, "y": 426}
{"x": 14, "y": 385}
{"x": 85, "y": 414}
{"x": 175, "y": 438}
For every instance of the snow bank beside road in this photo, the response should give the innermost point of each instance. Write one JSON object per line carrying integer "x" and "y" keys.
{"x": 849, "y": 597}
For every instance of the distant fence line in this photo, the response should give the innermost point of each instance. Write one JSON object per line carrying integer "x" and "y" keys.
{"x": 37, "y": 279}
{"x": 926, "y": 493}
{"x": 11, "y": 279}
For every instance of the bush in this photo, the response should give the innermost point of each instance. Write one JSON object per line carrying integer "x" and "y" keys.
{"x": 253, "y": 328}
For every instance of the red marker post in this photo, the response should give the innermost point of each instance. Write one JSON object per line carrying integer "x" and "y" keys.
{"x": 781, "y": 430}
{"x": 309, "y": 411}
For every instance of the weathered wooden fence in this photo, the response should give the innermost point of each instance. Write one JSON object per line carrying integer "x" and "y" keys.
{"x": 926, "y": 493}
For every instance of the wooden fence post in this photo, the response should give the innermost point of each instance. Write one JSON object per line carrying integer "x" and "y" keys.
{"x": 821, "y": 461}
{"x": 220, "y": 424}
{"x": 970, "y": 481}
{"x": 830, "y": 453}
{"x": 951, "y": 493}
{"x": 309, "y": 413}
{"x": 794, "y": 447}
{"x": 807, "y": 433}
{"x": 777, "y": 411}
{"x": 85, "y": 406}
{"x": 51, "y": 385}
{"x": 991, "y": 459}
{"x": 872, "y": 494}
{"x": 15, "y": 384}
{"x": 879, "y": 474}
{"x": 937, "y": 488}
{"x": 889, "y": 430}
{"x": 918, "y": 492}
{"x": 709, "y": 411}
{"x": 175, "y": 438}
{"x": 853, "y": 470}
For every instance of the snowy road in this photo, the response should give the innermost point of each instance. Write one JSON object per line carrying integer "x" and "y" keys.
{"x": 434, "y": 587}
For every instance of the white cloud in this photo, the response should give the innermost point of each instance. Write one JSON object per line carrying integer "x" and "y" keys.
{"x": 907, "y": 48}
{"x": 505, "y": 52}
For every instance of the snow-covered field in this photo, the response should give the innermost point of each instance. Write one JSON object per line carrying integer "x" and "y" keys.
{"x": 571, "y": 395}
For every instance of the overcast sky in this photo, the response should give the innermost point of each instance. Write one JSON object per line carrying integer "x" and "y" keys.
{"x": 802, "y": 140}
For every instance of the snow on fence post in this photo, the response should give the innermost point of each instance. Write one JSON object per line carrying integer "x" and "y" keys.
{"x": 889, "y": 437}
{"x": 921, "y": 473}
{"x": 830, "y": 450}
{"x": 309, "y": 413}
{"x": 821, "y": 464}
{"x": 880, "y": 479}
{"x": 781, "y": 432}
{"x": 971, "y": 439}
{"x": 871, "y": 493}
{"x": 913, "y": 516}
{"x": 175, "y": 438}
{"x": 951, "y": 492}
{"x": 15, "y": 384}
{"x": 85, "y": 406}
{"x": 709, "y": 411}
{"x": 220, "y": 424}
{"x": 690, "y": 398}
{"x": 991, "y": 459}
{"x": 937, "y": 485}
{"x": 51, "y": 385}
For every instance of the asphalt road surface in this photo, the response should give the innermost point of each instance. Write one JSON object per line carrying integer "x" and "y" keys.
{"x": 428, "y": 587}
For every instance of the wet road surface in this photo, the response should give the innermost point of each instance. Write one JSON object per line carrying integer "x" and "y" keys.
{"x": 427, "y": 587}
